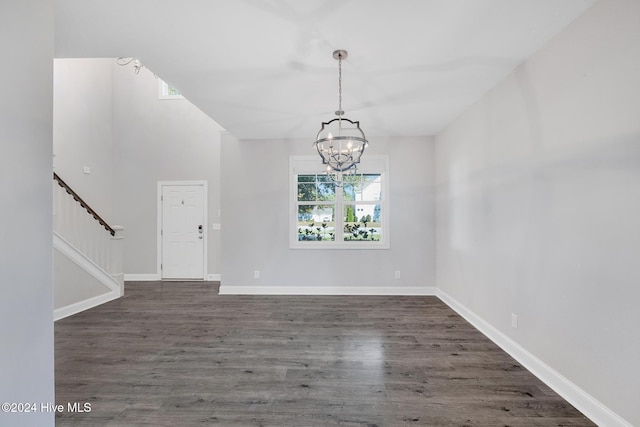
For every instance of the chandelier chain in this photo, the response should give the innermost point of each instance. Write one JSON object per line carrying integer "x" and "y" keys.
{"x": 340, "y": 85}
{"x": 340, "y": 147}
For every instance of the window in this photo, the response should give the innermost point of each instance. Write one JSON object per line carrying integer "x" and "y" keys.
{"x": 328, "y": 216}
{"x": 166, "y": 91}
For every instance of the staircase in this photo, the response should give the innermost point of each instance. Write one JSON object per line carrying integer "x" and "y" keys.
{"x": 87, "y": 254}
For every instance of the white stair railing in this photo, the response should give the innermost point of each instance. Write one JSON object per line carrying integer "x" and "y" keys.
{"x": 80, "y": 226}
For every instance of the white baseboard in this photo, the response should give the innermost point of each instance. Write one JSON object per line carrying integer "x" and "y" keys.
{"x": 152, "y": 277}
{"x": 326, "y": 290}
{"x": 77, "y": 307}
{"x": 142, "y": 277}
{"x": 584, "y": 402}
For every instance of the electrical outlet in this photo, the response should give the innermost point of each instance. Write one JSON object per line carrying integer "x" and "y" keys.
{"x": 514, "y": 321}
{"x": 256, "y": 274}
{"x": 397, "y": 274}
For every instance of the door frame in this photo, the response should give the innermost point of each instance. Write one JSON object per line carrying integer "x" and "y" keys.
{"x": 205, "y": 237}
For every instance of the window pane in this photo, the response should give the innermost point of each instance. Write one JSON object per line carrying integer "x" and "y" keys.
{"x": 362, "y": 222}
{"x": 363, "y": 187}
{"x": 307, "y": 192}
{"x": 316, "y": 222}
{"x": 306, "y": 178}
{"x": 172, "y": 91}
{"x": 326, "y": 191}
{"x": 315, "y": 188}
{"x": 371, "y": 188}
{"x": 348, "y": 192}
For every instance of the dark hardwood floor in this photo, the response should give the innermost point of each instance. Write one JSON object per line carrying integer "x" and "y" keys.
{"x": 178, "y": 354}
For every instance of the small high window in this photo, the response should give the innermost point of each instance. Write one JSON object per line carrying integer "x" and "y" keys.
{"x": 166, "y": 91}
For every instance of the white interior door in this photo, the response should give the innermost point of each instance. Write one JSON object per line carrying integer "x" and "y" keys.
{"x": 183, "y": 232}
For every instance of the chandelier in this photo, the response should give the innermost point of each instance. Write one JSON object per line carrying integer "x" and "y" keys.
{"x": 340, "y": 142}
{"x": 137, "y": 65}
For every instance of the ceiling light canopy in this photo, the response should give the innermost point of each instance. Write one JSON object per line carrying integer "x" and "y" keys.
{"x": 340, "y": 141}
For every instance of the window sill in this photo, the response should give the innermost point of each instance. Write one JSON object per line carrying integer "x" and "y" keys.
{"x": 339, "y": 246}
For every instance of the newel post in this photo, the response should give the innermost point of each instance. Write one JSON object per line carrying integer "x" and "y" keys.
{"x": 116, "y": 268}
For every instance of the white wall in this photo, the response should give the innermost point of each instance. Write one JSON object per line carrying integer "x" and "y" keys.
{"x": 158, "y": 140}
{"x": 111, "y": 119}
{"x": 26, "y": 272}
{"x": 539, "y": 205}
{"x": 82, "y": 134}
{"x": 73, "y": 284}
{"x": 255, "y": 177}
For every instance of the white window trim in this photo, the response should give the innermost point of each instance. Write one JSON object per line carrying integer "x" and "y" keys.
{"x": 373, "y": 164}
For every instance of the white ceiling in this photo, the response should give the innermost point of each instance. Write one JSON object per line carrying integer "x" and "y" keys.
{"x": 264, "y": 68}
